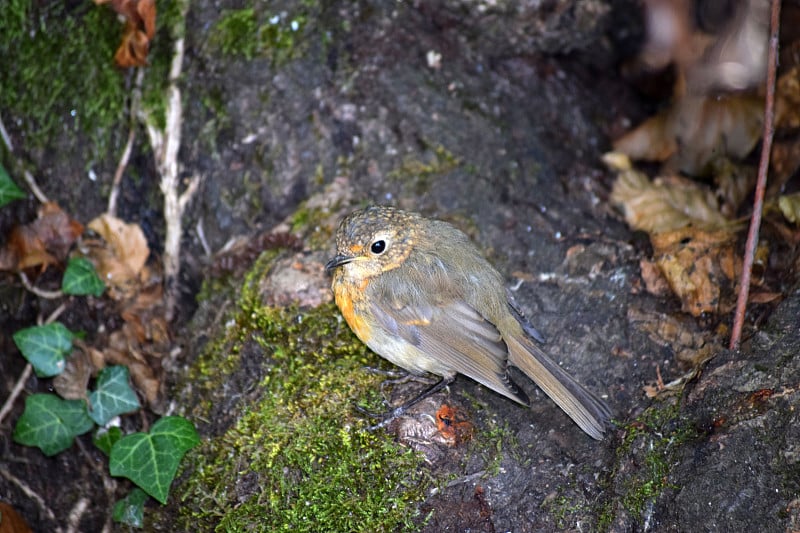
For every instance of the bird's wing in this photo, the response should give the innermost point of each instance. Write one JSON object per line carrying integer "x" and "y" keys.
{"x": 434, "y": 320}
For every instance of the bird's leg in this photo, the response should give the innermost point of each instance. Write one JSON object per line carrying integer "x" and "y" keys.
{"x": 386, "y": 418}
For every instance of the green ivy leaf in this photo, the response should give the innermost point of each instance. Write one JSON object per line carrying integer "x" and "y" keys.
{"x": 80, "y": 278}
{"x": 151, "y": 459}
{"x": 130, "y": 509}
{"x": 106, "y": 437}
{"x": 50, "y": 423}
{"x": 114, "y": 395}
{"x": 8, "y": 189}
{"x": 45, "y": 347}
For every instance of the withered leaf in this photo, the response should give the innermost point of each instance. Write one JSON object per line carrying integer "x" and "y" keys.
{"x": 120, "y": 260}
{"x": 140, "y": 28}
{"x": 665, "y": 204}
{"x": 44, "y": 242}
{"x": 696, "y": 130}
{"x": 696, "y": 264}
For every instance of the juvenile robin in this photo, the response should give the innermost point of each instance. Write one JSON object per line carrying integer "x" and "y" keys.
{"x": 417, "y": 292}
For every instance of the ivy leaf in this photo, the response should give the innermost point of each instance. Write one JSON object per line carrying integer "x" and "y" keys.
{"x": 45, "y": 347}
{"x": 50, "y": 423}
{"x": 105, "y": 438}
{"x": 114, "y": 395}
{"x": 8, "y": 189}
{"x": 130, "y": 509}
{"x": 80, "y": 278}
{"x": 151, "y": 459}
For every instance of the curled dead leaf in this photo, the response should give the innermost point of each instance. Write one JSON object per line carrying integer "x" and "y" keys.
{"x": 697, "y": 264}
{"x": 665, "y": 204}
{"x": 121, "y": 255}
{"x": 695, "y": 130}
{"x": 45, "y": 241}
{"x": 71, "y": 384}
{"x": 789, "y": 205}
{"x": 140, "y": 28}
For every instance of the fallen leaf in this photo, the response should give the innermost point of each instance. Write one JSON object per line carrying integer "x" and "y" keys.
{"x": 71, "y": 384}
{"x": 695, "y": 130}
{"x": 45, "y": 241}
{"x": 789, "y": 205}
{"x": 665, "y": 204}
{"x": 140, "y": 28}
{"x": 11, "y": 521}
{"x": 654, "y": 280}
{"x": 697, "y": 264}
{"x": 121, "y": 256}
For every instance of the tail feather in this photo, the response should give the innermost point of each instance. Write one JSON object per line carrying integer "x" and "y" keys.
{"x": 587, "y": 410}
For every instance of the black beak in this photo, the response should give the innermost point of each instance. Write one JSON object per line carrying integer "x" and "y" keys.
{"x": 337, "y": 261}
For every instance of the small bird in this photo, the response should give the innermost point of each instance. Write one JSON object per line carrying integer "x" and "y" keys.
{"x": 418, "y": 293}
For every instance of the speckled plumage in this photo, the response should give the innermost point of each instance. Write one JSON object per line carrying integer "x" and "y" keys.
{"x": 420, "y": 294}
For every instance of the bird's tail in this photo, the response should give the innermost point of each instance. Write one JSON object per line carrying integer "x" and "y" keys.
{"x": 587, "y": 410}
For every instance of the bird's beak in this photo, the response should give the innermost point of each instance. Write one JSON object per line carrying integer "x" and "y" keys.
{"x": 337, "y": 261}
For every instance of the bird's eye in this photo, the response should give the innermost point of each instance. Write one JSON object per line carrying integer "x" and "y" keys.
{"x": 378, "y": 247}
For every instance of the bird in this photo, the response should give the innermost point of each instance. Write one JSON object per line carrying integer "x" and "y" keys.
{"x": 420, "y": 294}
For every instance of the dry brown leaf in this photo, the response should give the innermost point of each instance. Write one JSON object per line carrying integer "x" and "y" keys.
{"x": 789, "y": 205}
{"x": 11, "y": 521}
{"x": 697, "y": 264}
{"x": 143, "y": 375}
{"x": 665, "y": 204}
{"x": 696, "y": 130}
{"x": 44, "y": 242}
{"x": 654, "y": 281}
{"x": 787, "y": 100}
{"x": 734, "y": 182}
{"x": 120, "y": 260}
{"x": 764, "y": 297}
{"x": 140, "y": 28}
{"x": 71, "y": 384}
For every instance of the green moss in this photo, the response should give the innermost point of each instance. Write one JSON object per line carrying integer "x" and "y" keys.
{"x": 438, "y": 161}
{"x": 59, "y": 71}
{"x": 310, "y": 222}
{"x": 298, "y": 457}
{"x": 256, "y": 32}
{"x": 651, "y": 442}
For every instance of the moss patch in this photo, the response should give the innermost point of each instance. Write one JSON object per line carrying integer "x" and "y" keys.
{"x": 645, "y": 458}
{"x": 296, "y": 457}
{"x": 256, "y": 32}
{"x": 62, "y": 75}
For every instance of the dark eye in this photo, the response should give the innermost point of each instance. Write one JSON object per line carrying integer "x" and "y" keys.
{"x": 378, "y": 247}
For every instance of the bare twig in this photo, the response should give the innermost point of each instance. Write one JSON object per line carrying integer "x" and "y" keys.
{"x": 165, "y": 145}
{"x": 34, "y": 187}
{"x": 136, "y": 98}
{"x": 18, "y": 386}
{"x": 30, "y": 493}
{"x": 763, "y": 166}
{"x": 41, "y": 293}
{"x": 74, "y": 519}
{"x": 42, "y": 197}
{"x": 6, "y": 137}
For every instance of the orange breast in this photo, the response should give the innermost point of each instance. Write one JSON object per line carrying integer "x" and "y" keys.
{"x": 350, "y": 298}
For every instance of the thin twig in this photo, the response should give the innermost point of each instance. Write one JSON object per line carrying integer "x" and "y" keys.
{"x": 136, "y": 98}
{"x": 166, "y": 144}
{"x": 29, "y": 179}
{"x": 75, "y": 515}
{"x": 761, "y": 185}
{"x": 34, "y": 187}
{"x": 30, "y": 493}
{"x": 41, "y": 293}
{"x": 18, "y": 386}
{"x": 6, "y": 137}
